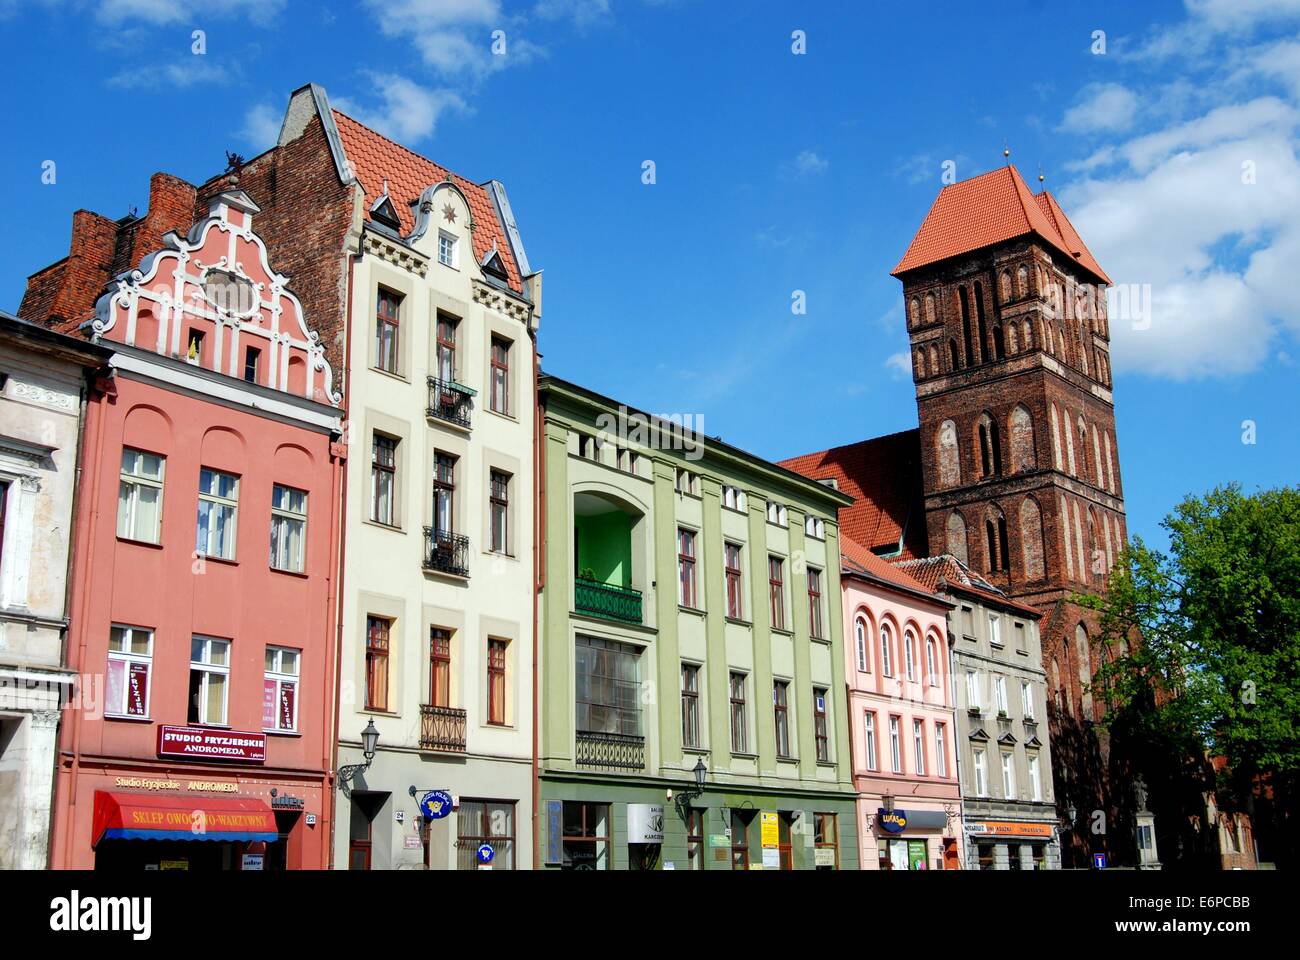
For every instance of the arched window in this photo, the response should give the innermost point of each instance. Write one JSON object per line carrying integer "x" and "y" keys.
{"x": 929, "y": 308}
{"x": 886, "y": 654}
{"x": 1006, "y": 286}
{"x": 1097, "y": 477}
{"x": 999, "y": 349}
{"x": 918, "y": 364}
{"x": 957, "y": 536}
{"x": 964, "y": 301}
{"x": 1022, "y": 282}
{"x": 1023, "y": 456}
{"x": 914, "y": 312}
{"x": 979, "y": 313}
{"x": 909, "y": 654}
{"x": 1056, "y": 438}
{"x": 995, "y": 532}
{"x": 1083, "y": 654}
{"x": 1029, "y": 335}
{"x": 1031, "y": 539}
{"x": 860, "y": 636}
{"x": 934, "y": 361}
{"x": 932, "y": 661}
{"x": 954, "y": 358}
{"x": 990, "y": 449}
{"x": 1013, "y": 338}
{"x": 949, "y": 455}
{"x": 1060, "y": 699}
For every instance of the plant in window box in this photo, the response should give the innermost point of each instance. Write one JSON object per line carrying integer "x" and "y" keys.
{"x": 587, "y": 573}
{"x": 973, "y": 710}
{"x": 1002, "y": 715}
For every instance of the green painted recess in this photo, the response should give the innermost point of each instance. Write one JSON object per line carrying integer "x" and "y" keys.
{"x": 604, "y": 547}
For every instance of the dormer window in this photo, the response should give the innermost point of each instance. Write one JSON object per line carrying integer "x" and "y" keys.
{"x": 194, "y": 347}
{"x": 448, "y": 250}
{"x": 385, "y": 213}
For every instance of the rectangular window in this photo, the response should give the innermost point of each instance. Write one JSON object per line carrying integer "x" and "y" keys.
{"x": 686, "y": 594}
{"x": 252, "y": 360}
{"x": 218, "y": 509}
{"x": 280, "y": 689}
{"x": 1035, "y": 782}
{"x": 288, "y": 529}
{"x": 445, "y": 361}
{"x": 383, "y": 480}
{"x": 968, "y": 623}
{"x": 1000, "y": 688}
{"x": 690, "y": 705}
{"x": 490, "y": 822}
{"x": 500, "y": 392}
{"x": 972, "y": 690}
{"x": 444, "y": 495}
{"x": 496, "y": 677}
{"x": 735, "y": 601}
{"x": 209, "y": 680}
{"x": 587, "y": 834}
{"x": 139, "y": 497}
{"x": 941, "y": 749}
{"x": 820, "y": 731}
{"x": 826, "y": 836}
{"x": 388, "y": 308}
{"x": 1020, "y": 638}
{"x": 733, "y": 498}
{"x": 1027, "y": 700}
{"x": 995, "y": 630}
{"x": 932, "y": 661}
{"x": 776, "y": 590}
{"x": 447, "y": 250}
{"x": 499, "y": 500}
{"x": 895, "y": 745}
{"x": 781, "y": 710}
{"x": 814, "y": 603}
{"x": 439, "y": 667}
{"x": 1008, "y": 776}
{"x": 739, "y": 718}
{"x": 909, "y": 654}
{"x": 873, "y": 756}
{"x": 377, "y": 636}
{"x": 130, "y": 658}
{"x": 981, "y": 775}
{"x": 608, "y": 687}
{"x": 695, "y": 838}
{"x": 740, "y": 839}
{"x": 918, "y": 746}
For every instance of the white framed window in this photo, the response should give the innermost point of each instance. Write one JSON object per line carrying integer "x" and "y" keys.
{"x": 814, "y": 527}
{"x": 972, "y": 690}
{"x": 209, "y": 680}
{"x": 932, "y": 661}
{"x": 918, "y": 745}
{"x": 995, "y": 630}
{"x": 860, "y": 637}
{"x": 1008, "y": 775}
{"x": 687, "y": 482}
{"x": 1035, "y": 781}
{"x": 941, "y": 749}
{"x": 218, "y": 508}
{"x": 1027, "y": 699}
{"x": 895, "y": 745}
{"x": 1000, "y": 688}
{"x": 733, "y": 498}
{"x": 288, "y": 529}
{"x": 140, "y": 496}
{"x": 981, "y": 774}
{"x": 448, "y": 250}
{"x": 280, "y": 689}
{"x": 869, "y": 724}
{"x": 130, "y": 660}
{"x": 909, "y": 655}
{"x": 776, "y": 514}
{"x": 886, "y": 653}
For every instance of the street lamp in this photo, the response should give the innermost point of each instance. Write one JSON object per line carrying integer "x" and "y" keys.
{"x": 887, "y": 801}
{"x": 684, "y": 797}
{"x": 369, "y": 740}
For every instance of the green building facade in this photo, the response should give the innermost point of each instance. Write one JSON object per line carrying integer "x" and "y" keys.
{"x": 690, "y": 628}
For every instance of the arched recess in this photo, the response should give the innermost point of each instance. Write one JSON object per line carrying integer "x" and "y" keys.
{"x": 949, "y": 455}
{"x": 914, "y": 312}
{"x": 956, "y": 531}
{"x": 1097, "y": 478}
{"x": 929, "y": 308}
{"x": 988, "y": 447}
{"x": 1028, "y": 331}
{"x": 1083, "y": 655}
{"x": 1007, "y": 293}
{"x": 999, "y": 345}
{"x": 934, "y": 361}
{"x": 1023, "y": 455}
{"x": 1013, "y": 338}
{"x": 918, "y": 363}
{"x": 983, "y": 326}
{"x": 954, "y": 355}
{"x": 1022, "y": 282}
{"x": 963, "y": 300}
{"x": 1031, "y": 539}
{"x": 995, "y": 537}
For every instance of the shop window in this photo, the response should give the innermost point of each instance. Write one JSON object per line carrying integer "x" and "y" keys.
{"x": 826, "y": 841}
{"x": 280, "y": 689}
{"x": 695, "y": 838}
{"x": 130, "y": 660}
{"x": 740, "y": 821}
{"x": 586, "y": 836}
{"x": 490, "y": 822}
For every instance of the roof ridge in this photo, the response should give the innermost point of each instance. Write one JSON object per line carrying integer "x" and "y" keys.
{"x": 404, "y": 148}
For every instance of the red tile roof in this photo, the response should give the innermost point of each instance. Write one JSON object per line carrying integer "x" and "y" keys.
{"x": 375, "y": 159}
{"x": 928, "y": 571}
{"x": 989, "y": 209}
{"x": 883, "y": 476}
{"x": 856, "y": 558}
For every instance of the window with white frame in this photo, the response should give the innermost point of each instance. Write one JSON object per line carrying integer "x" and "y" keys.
{"x": 130, "y": 660}
{"x": 932, "y": 661}
{"x": 972, "y": 690}
{"x": 869, "y": 723}
{"x": 687, "y": 482}
{"x": 140, "y": 494}
{"x": 1008, "y": 775}
{"x": 980, "y": 773}
{"x": 886, "y": 651}
{"x": 1035, "y": 781}
{"x": 895, "y": 745}
{"x": 995, "y": 630}
{"x": 288, "y": 529}
{"x": 1027, "y": 699}
{"x": 860, "y": 639}
{"x": 918, "y": 746}
{"x": 209, "y": 680}
{"x": 909, "y": 655}
{"x": 941, "y": 749}
{"x": 280, "y": 689}
{"x": 1000, "y": 688}
{"x": 448, "y": 250}
{"x": 776, "y": 514}
{"x": 218, "y": 509}
{"x": 733, "y": 498}
{"x": 814, "y": 527}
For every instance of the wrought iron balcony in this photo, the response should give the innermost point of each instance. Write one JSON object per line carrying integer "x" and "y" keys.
{"x": 442, "y": 728}
{"x": 450, "y": 401}
{"x": 446, "y": 552}
{"x": 613, "y": 751}
{"x": 607, "y": 600}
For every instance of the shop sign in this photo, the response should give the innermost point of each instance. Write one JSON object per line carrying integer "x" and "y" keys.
{"x": 436, "y": 804}
{"x": 149, "y": 783}
{"x": 771, "y": 832}
{"x": 895, "y": 822}
{"x": 252, "y": 861}
{"x": 771, "y": 858}
{"x": 201, "y": 743}
{"x": 1007, "y": 828}
{"x": 824, "y": 857}
{"x": 285, "y": 802}
{"x": 412, "y": 843}
{"x": 645, "y": 823}
{"x": 719, "y": 840}
{"x": 554, "y": 832}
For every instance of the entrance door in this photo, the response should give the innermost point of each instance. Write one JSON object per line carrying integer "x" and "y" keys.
{"x": 950, "y": 859}
{"x": 360, "y": 827}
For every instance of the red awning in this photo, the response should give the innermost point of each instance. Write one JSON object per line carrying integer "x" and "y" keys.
{"x": 151, "y": 816}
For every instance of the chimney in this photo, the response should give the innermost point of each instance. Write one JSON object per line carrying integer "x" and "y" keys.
{"x": 171, "y": 207}
{"x": 86, "y": 271}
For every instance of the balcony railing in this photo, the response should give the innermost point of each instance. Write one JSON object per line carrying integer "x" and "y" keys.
{"x": 450, "y": 401}
{"x": 442, "y": 728}
{"x": 613, "y": 751}
{"x": 446, "y": 552}
{"x": 607, "y": 600}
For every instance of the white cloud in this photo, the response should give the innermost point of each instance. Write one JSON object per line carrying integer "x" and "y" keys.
{"x": 180, "y": 74}
{"x": 809, "y": 164}
{"x": 1103, "y": 107}
{"x": 190, "y": 12}
{"x": 408, "y": 112}
{"x": 454, "y": 37}
{"x": 261, "y": 126}
{"x": 583, "y": 13}
{"x": 900, "y": 364}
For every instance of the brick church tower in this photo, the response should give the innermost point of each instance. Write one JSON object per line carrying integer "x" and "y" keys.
{"x": 1006, "y": 313}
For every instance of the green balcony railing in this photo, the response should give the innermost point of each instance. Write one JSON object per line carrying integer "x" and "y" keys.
{"x": 607, "y": 600}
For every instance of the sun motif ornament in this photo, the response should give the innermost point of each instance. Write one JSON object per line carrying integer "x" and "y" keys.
{"x": 449, "y": 213}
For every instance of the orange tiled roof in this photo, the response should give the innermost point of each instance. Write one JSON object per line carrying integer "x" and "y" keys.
{"x": 930, "y": 570}
{"x": 989, "y": 209}
{"x": 375, "y": 159}
{"x": 858, "y": 559}
{"x": 883, "y": 476}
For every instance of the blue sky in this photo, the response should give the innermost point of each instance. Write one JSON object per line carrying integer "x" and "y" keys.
{"x": 1174, "y": 151}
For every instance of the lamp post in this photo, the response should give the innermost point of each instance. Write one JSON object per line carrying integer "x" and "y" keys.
{"x": 369, "y": 740}
{"x": 684, "y": 797}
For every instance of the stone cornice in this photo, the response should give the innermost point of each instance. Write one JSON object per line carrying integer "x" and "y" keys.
{"x": 397, "y": 254}
{"x": 501, "y": 302}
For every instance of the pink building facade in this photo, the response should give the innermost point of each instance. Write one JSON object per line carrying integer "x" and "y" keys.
{"x": 900, "y": 701}
{"x": 204, "y": 582}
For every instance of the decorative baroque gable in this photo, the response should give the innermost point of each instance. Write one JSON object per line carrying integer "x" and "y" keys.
{"x": 218, "y": 281}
